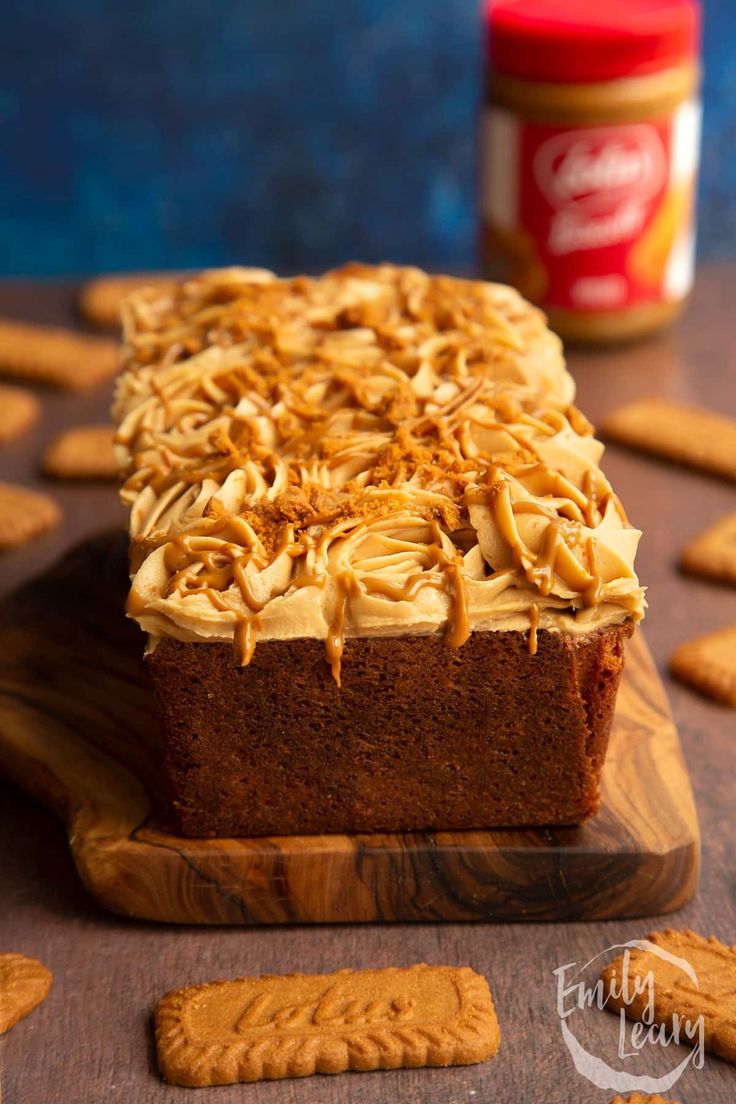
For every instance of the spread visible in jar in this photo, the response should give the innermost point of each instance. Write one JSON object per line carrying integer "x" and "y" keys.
{"x": 591, "y": 140}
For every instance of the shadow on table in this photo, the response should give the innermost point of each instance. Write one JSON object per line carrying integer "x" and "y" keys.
{"x": 36, "y": 869}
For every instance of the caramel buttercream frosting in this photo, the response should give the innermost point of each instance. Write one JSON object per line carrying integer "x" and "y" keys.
{"x": 376, "y": 451}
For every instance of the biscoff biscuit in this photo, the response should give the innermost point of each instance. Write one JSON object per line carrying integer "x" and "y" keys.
{"x": 55, "y": 356}
{"x": 24, "y": 514}
{"x": 655, "y": 983}
{"x": 708, "y": 663}
{"x": 84, "y": 452}
{"x": 19, "y": 410}
{"x": 253, "y": 1029}
{"x": 688, "y": 435}
{"x": 99, "y": 300}
{"x": 24, "y": 983}
{"x": 712, "y": 554}
{"x": 641, "y": 1098}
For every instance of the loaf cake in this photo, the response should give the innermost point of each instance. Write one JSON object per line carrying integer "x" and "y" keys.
{"x": 384, "y": 582}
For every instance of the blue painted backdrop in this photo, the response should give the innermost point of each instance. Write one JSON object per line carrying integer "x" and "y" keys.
{"x": 290, "y": 133}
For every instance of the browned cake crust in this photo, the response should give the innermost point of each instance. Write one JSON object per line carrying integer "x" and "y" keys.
{"x": 418, "y": 737}
{"x": 359, "y": 502}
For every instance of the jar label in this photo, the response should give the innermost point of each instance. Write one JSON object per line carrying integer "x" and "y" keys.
{"x": 592, "y": 218}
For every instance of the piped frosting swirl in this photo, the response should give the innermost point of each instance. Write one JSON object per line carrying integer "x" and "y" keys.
{"x": 376, "y": 451}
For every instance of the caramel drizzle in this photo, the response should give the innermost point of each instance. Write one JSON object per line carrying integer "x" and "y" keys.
{"x": 448, "y": 579}
{"x": 540, "y": 567}
{"x": 280, "y": 361}
{"x": 533, "y": 627}
{"x": 245, "y": 639}
{"x": 335, "y": 640}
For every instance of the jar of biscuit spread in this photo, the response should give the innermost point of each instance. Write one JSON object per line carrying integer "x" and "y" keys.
{"x": 590, "y": 150}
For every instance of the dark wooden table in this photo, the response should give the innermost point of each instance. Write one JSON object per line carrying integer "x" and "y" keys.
{"x": 91, "y": 1040}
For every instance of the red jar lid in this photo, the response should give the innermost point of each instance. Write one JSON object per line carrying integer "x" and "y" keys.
{"x": 581, "y": 41}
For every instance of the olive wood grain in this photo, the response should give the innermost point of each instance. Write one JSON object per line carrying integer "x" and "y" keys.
{"x": 78, "y": 730}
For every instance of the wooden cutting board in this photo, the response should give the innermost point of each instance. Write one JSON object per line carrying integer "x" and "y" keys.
{"x": 78, "y": 730}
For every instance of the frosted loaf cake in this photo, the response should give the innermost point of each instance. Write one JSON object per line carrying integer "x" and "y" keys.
{"x": 384, "y": 580}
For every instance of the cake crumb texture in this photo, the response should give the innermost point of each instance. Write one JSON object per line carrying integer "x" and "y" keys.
{"x": 416, "y": 738}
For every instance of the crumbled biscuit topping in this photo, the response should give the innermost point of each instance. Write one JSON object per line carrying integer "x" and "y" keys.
{"x": 373, "y": 451}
